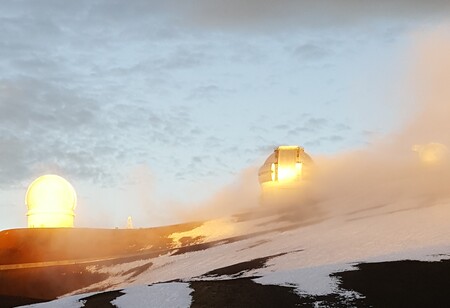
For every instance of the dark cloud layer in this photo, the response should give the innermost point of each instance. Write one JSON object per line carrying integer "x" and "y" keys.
{"x": 46, "y": 127}
{"x": 67, "y": 88}
{"x": 138, "y": 18}
{"x": 43, "y": 126}
{"x": 269, "y": 14}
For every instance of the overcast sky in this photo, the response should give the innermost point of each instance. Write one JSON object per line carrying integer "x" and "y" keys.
{"x": 140, "y": 104}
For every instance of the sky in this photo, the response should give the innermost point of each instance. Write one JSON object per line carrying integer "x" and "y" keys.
{"x": 146, "y": 106}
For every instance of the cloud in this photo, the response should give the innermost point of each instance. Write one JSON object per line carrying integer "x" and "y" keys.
{"x": 312, "y": 124}
{"x": 403, "y": 171}
{"x": 11, "y": 160}
{"x": 311, "y": 51}
{"x": 427, "y": 85}
{"x": 90, "y": 87}
{"x": 342, "y": 127}
{"x": 207, "y": 92}
{"x": 107, "y": 21}
{"x": 26, "y": 103}
{"x": 45, "y": 127}
{"x": 270, "y": 14}
{"x": 409, "y": 168}
{"x": 241, "y": 195}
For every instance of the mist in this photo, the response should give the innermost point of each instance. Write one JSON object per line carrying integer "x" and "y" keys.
{"x": 406, "y": 169}
{"x": 240, "y": 196}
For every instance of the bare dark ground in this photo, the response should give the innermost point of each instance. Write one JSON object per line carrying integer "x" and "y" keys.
{"x": 242, "y": 292}
{"x": 385, "y": 284}
{"x": 400, "y": 283}
{"x": 46, "y": 283}
{"x": 14, "y": 301}
{"x": 242, "y": 267}
{"x": 102, "y": 300}
{"x": 136, "y": 271}
{"x": 54, "y": 244}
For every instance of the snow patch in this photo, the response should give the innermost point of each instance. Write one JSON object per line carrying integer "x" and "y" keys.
{"x": 174, "y": 294}
{"x": 209, "y": 231}
{"x": 313, "y": 280}
{"x": 118, "y": 274}
{"x": 64, "y": 302}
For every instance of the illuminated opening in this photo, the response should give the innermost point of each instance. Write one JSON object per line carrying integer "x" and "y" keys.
{"x": 51, "y": 202}
{"x": 286, "y": 173}
{"x": 289, "y": 173}
{"x": 273, "y": 172}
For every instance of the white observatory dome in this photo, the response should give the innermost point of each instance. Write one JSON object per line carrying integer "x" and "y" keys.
{"x": 51, "y": 201}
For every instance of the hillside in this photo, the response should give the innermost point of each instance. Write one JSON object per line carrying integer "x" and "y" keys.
{"x": 286, "y": 256}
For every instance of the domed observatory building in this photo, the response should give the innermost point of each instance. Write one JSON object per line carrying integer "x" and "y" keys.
{"x": 282, "y": 174}
{"x": 51, "y": 202}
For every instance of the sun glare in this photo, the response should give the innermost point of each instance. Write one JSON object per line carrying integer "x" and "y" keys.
{"x": 431, "y": 153}
{"x": 51, "y": 202}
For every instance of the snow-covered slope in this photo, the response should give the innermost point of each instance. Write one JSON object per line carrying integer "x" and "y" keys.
{"x": 303, "y": 252}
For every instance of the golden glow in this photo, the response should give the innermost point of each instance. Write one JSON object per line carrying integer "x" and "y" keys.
{"x": 212, "y": 230}
{"x": 130, "y": 223}
{"x": 286, "y": 173}
{"x": 51, "y": 202}
{"x": 431, "y": 153}
{"x": 288, "y": 147}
